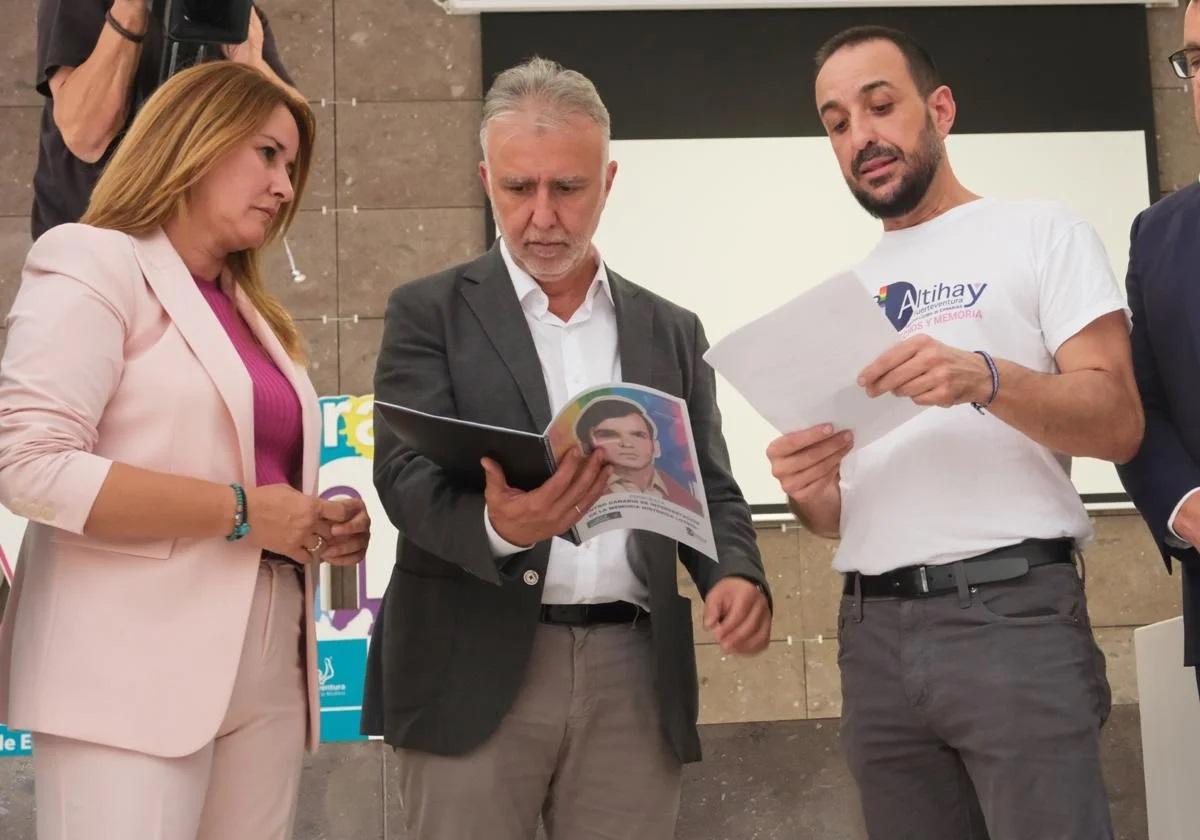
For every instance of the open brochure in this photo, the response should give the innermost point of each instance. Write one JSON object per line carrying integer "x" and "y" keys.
{"x": 646, "y": 434}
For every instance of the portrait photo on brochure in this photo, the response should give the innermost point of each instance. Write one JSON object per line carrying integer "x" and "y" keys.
{"x": 647, "y": 439}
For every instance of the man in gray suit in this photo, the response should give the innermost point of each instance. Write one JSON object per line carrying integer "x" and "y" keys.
{"x": 516, "y": 674}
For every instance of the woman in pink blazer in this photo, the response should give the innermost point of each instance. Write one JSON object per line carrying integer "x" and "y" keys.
{"x": 158, "y": 430}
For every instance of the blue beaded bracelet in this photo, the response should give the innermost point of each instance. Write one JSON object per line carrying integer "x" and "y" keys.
{"x": 240, "y": 526}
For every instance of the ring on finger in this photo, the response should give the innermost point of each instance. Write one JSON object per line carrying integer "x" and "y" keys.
{"x": 316, "y": 549}
{"x": 577, "y": 510}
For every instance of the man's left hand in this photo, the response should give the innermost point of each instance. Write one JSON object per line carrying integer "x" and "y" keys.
{"x": 249, "y": 51}
{"x": 929, "y": 373}
{"x": 738, "y": 615}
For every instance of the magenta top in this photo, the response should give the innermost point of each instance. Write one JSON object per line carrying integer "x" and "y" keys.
{"x": 278, "y": 427}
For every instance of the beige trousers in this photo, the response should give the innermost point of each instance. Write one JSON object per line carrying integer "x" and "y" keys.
{"x": 581, "y": 747}
{"x": 240, "y": 786}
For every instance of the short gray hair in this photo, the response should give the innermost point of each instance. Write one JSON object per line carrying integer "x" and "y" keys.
{"x": 558, "y": 91}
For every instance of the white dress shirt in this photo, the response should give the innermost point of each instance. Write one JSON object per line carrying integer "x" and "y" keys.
{"x": 575, "y": 355}
{"x": 1173, "y": 537}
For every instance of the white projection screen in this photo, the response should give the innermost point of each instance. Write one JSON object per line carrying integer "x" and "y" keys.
{"x": 731, "y": 228}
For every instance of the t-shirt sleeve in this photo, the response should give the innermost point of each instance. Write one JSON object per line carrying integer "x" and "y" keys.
{"x": 1076, "y": 285}
{"x": 67, "y": 32}
{"x": 270, "y": 51}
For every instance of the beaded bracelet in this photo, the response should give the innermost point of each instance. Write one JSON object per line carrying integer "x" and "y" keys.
{"x": 240, "y": 526}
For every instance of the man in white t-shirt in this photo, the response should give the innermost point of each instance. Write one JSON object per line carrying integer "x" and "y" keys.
{"x": 973, "y": 691}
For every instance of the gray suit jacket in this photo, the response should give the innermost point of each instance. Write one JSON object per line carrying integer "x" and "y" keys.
{"x": 454, "y": 631}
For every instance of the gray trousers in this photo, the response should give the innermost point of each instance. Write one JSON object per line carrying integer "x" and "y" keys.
{"x": 977, "y": 715}
{"x": 581, "y": 746}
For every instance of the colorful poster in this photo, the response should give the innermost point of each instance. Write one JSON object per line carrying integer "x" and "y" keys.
{"x": 341, "y": 667}
{"x": 14, "y": 742}
{"x": 347, "y": 450}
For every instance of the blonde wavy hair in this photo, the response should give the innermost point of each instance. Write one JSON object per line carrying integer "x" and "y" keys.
{"x": 182, "y": 131}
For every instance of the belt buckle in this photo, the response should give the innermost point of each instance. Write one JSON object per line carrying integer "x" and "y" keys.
{"x": 924, "y": 580}
{"x": 562, "y": 614}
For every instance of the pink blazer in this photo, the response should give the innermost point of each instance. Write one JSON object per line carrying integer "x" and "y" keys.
{"x": 113, "y": 355}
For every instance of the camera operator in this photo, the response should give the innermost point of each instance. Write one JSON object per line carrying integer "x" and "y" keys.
{"x": 98, "y": 60}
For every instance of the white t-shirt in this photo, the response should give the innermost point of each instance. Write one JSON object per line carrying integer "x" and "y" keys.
{"x": 1016, "y": 279}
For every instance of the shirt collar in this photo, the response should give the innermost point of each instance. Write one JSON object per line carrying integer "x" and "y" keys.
{"x": 535, "y": 302}
{"x": 656, "y": 483}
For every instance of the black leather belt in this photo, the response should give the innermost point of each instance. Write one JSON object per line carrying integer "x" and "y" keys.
{"x": 1006, "y": 563}
{"x": 581, "y": 615}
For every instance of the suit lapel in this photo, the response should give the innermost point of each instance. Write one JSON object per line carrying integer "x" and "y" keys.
{"x": 637, "y": 343}
{"x": 1170, "y": 278}
{"x": 1190, "y": 288}
{"x": 175, "y": 289}
{"x": 295, "y": 374}
{"x": 489, "y": 292}
{"x": 1191, "y": 279}
{"x": 635, "y": 330}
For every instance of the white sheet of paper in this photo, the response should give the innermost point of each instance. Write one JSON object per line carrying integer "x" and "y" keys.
{"x": 797, "y": 365}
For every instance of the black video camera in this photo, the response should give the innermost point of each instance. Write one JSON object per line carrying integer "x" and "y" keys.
{"x": 193, "y": 26}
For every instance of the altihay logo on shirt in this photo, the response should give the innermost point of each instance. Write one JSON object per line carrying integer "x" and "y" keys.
{"x": 911, "y": 309}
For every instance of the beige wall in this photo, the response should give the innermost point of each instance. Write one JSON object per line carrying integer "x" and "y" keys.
{"x": 1178, "y": 145}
